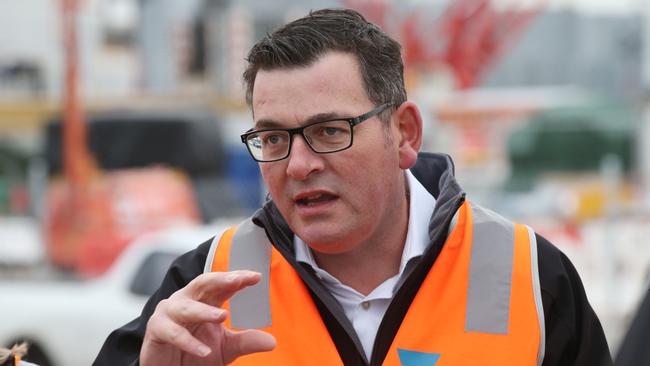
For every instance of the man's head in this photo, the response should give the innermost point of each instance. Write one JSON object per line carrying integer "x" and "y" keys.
{"x": 303, "y": 41}
{"x": 339, "y": 200}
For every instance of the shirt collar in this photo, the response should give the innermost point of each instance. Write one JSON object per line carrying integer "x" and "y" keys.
{"x": 421, "y": 205}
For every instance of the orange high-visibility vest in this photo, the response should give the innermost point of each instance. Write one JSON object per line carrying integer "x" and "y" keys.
{"x": 480, "y": 303}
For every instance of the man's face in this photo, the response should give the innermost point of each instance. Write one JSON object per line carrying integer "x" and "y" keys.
{"x": 334, "y": 202}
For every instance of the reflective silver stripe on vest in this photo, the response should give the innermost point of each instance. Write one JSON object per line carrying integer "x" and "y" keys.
{"x": 537, "y": 290}
{"x": 250, "y": 250}
{"x": 213, "y": 249}
{"x": 490, "y": 273}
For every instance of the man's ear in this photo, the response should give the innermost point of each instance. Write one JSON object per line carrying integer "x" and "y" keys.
{"x": 408, "y": 122}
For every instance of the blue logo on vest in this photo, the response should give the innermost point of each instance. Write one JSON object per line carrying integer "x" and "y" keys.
{"x": 414, "y": 358}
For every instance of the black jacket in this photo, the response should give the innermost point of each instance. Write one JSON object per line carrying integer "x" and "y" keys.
{"x": 574, "y": 335}
{"x": 634, "y": 350}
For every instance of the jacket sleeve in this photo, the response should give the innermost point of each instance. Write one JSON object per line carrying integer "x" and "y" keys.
{"x": 634, "y": 350}
{"x": 122, "y": 347}
{"x": 574, "y": 335}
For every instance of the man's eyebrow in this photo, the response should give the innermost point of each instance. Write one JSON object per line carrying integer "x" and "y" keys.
{"x": 263, "y": 124}
{"x": 269, "y": 123}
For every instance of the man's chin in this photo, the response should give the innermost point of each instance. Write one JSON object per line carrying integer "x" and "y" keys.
{"x": 325, "y": 242}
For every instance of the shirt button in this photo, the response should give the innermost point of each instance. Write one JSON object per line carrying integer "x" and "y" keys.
{"x": 365, "y": 305}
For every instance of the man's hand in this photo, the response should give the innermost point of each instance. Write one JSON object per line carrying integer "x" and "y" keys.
{"x": 187, "y": 328}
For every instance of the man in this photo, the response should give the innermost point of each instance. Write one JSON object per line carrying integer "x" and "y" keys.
{"x": 367, "y": 253}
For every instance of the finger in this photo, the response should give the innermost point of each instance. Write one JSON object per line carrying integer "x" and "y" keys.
{"x": 187, "y": 311}
{"x": 244, "y": 342}
{"x": 163, "y": 330}
{"x": 216, "y": 287}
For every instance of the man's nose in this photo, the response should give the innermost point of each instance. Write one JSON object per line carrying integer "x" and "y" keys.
{"x": 302, "y": 160}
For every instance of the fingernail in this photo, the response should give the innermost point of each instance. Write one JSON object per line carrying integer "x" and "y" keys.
{"x": 233, "y": 276}
{"x": 203, "y": 351}
{"x": 250, "y": 273}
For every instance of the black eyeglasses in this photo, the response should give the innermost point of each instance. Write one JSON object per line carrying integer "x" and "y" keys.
{"x": 322, "y": 137}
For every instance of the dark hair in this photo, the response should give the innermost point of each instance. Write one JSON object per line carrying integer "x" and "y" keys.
{"x": 303, "y": 41}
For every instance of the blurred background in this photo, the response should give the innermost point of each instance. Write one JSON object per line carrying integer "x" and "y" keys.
{"x": 120, "y": 123}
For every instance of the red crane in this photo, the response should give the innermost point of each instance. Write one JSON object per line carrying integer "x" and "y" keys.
{"x": 91, "y": 214}
{"x": 73, "y": 209}
{"x": 467, "y": 38}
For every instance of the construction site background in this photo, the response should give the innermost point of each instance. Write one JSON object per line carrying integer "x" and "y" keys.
{"x": 542, "y": 104}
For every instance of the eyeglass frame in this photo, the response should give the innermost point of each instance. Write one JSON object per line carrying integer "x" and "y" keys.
{"x": 353, "y": 121}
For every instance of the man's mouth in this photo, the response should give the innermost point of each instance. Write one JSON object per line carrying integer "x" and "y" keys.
{"x": 315, "y": 199}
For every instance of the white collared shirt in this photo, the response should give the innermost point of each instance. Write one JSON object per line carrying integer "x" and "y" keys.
{"x": 366, "y": 312}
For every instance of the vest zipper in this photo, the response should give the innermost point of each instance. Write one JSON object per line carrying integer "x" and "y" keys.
{"x": 402, "y": 300}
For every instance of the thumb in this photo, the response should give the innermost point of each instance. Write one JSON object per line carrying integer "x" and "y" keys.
{"x": 246, "y": 341}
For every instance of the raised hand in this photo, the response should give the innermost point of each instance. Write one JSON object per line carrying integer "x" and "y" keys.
{"x": 187, "y": 329}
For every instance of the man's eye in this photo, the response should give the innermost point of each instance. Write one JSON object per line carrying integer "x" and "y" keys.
{"x": 273, "y": 139}
{"x": 331, "y": 131}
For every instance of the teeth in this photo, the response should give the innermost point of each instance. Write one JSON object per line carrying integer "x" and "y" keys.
{"x": 312, "y": 200}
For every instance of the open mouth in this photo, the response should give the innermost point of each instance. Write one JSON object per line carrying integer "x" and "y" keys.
{"x": 315, "y": 199}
